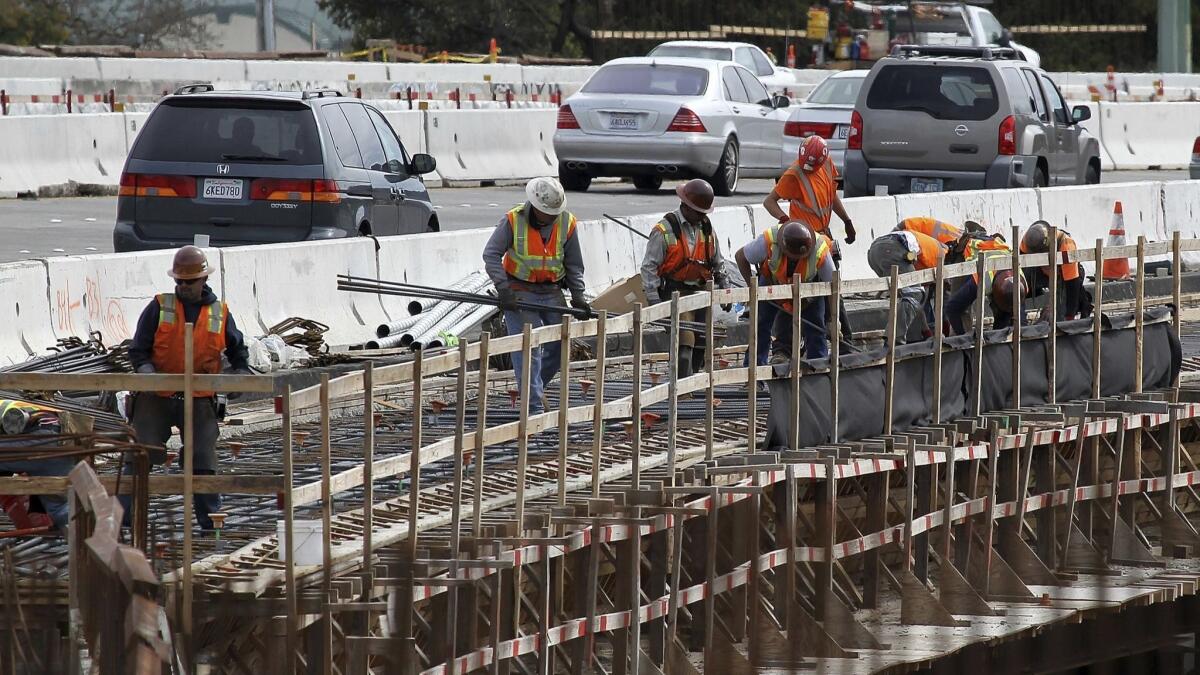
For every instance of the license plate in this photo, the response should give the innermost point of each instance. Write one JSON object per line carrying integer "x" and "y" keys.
{"x": 222, "y": 188}
{"x": 843, "y": 131}
{"x": 926, "y": 185}
{"x": 623, "y": 122}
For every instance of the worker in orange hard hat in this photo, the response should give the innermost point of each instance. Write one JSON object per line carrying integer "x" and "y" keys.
{"x": 158, "y": 347}
{"x": 683, "y": 254}
{"x": 1075, "y": 301}
{"x": 781, "y": 253}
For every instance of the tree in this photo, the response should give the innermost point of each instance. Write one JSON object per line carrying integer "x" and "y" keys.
{"x": 138, "y": 23}
{"x": 32, "y": 22}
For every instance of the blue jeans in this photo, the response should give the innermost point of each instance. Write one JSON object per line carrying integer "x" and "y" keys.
{"x": 813, "y": 328}
{"x": 543, "y": 360}
{"x": 766, "y": 319}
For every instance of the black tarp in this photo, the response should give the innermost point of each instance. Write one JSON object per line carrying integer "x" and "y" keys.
{"x": 862, "y": 375}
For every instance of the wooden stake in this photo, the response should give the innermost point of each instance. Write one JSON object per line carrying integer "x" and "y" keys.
{"x": 523, "y": 428}
{"x": 598, "y": 406}
{"x": 889, "y": 376}
{"x": 636, "y": 441}
{"x": 369, "y": 476}
{"x": 980, "y": 299}
{"x": 289, "y": 534}
{"x": 1176, "y": 289}
{"x": 326, "y": 532}
{"x": 939, "y": 312}
{"x": 752, "y": 375}
{"x": 673, "y": 387}
{"x": 564, "y": 405}
{"x": 189, "y": 461}
{"x": 1139, "y": 302}
{"x": 710, "y": 361}
{"x": 414, "y": 466}
{"x": 460, "y": 421}
{"x": 835, "y": 354}
{"x": 1017, "y": 318}
{"x": 1098, "y": 318}
{"x": 1052, "y": 338}
{"x": 480, "y": 425}
{"x": 794, "y": 402}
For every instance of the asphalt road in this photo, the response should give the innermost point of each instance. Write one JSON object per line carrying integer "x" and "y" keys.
{"x": 82, "y": 225}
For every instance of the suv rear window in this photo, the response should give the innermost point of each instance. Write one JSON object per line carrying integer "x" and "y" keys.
{"x": 944, "y": 92}
{"x": 235, "y": 130}
{"x": 649, "y": 80}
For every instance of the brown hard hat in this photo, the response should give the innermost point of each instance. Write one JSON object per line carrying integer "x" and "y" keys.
{"x": 974, "y": 226}
{"x": 1037, "y": 238}
{"x": 697, "y": 194}
{"x": 1003, "y": 288}
{"x": 190, "y": 263}
{"x": 796, "y": 237}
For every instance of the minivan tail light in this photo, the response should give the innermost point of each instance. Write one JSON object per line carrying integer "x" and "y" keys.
{"x": 150, "y": 185}
{"x": 854, "y": 138}
{"x": 1196, "y": 146}
{"x": 294, "y": 190}
{"x": 806, "y": 129}
{"x": 686, "y": 120}
{"x": 1007, "y": 144}
{"x": 566, "y": 118}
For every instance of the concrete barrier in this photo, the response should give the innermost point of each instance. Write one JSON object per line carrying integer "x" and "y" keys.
{"x": 24, "y": 311}
{"x": 1181, "y": 207}
{"x": 430, "y": 260}
{"x": 1086, "y": 211}
{"x": 997, "y": 210}
{"x": 1150, "y": 135}
{"x": 468, "y": 148}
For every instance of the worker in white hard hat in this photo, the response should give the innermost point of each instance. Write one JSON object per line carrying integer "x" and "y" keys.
{"x": 530, "y": 257}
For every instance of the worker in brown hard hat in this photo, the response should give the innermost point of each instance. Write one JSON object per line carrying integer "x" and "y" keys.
{"x": 683, "y": 254}
{"x": 158, "y": 347}
{"x": 1074, "y": 300}
{"x": 998, "y": 285}
{"x": 781, "y": 253}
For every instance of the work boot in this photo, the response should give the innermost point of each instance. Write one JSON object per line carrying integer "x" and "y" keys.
{"x": 779, "y": 358}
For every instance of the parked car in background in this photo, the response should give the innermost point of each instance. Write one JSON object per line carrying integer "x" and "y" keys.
{"x": 930, "y": 119}
{"x": 777, "y": 80}
{"x": 960, "y": 24}
{"x": 654, "y": 119}
{"x": 263, "y": 167}
{"x": 825, "y": 113}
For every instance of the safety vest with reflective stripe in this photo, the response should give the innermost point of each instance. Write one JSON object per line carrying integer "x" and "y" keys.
{"x": 681, "y": 265}
{"x": 806, "y": 268}
{"x": 532, "y": 260}
{"x": 931, "y": 227}
{"x": 816, "y": 205}
{"x": 208, "y": 339}
{"x": 1068, "y": 271}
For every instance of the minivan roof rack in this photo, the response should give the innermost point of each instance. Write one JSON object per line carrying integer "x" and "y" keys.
{"x": 320, "y": 93}
{"x": 986, "y": 53}
{"x": 194, "y": 88}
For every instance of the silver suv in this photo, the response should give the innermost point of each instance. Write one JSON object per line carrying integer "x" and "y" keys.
{"x": 930, "y": 119}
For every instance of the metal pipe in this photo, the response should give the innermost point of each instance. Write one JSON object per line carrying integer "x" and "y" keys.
{"x": 627, "y": 226}
{"x": 476, "y": 317}
{"x": 471, "y": 280}
{"x": 431, "y": 319}
{"x": 454, "y": 316}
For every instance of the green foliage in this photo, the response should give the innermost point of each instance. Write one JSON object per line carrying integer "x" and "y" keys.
{"x": 32, "y": 22}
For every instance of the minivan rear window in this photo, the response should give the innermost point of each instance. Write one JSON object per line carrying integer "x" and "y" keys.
{"x": 648, "y": 80}
{"x": 229, "y": 131}
{"x": 944, "y": 92}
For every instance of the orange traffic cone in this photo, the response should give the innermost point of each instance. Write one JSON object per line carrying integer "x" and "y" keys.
{"x": 493, "y": 51}
{"x": 1116, "y": 268}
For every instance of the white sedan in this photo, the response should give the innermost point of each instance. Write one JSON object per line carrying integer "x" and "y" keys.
{"x": 825, "y": 113}
{"x": 655, "y": 119}
{"x": 776, "y": 79}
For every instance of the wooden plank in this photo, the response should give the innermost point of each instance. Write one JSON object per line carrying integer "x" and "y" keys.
{"x": 939, "y": 317}
{"x": 710, "y": 367}
{"x": 977, "y": 385}
{"x": 414, "y": 471}
{"x": 889, "y": 376}
{"x": 1017, "y": 317}
{"x": 189, "y": 465}
{"x": 835, "y": 356}
{"x": 794, "y": 401}
{"x": 158, "y": 485}
{"x": 673, "y": 348}
{"x": 1052, "y": 338}
{"x": 636, "y": 398}
{"x": 480, "y": 424}
{"x": 564, "y": 403}
{"x": 598, "y": 405}
{"x": 1139, "y": 325}
{"x": 134, "y": 382}
{"x": 751, "y": 376}
{"x": 522, "y": 428}
{"x": 1097, "y": 318}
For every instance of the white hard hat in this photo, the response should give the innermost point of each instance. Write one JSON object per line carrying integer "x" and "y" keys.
{"x": 546, "y": 195}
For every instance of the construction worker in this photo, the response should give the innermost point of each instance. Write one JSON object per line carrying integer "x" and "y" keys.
{"x": 908, "y": 251}
{"x": 998, "y": 285}
{"x": 780, "y": 253}
{"x": 158, "y": 347}
{"x": 532, "y": 253}
{"x": 30, "y": 420}
{"x": 1074, "y": 300}
{"x": 955, "y": 238}
{"x": 683, "y": 255}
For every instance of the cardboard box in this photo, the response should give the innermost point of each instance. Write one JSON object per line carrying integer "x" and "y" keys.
{"x": 620, "y": 298}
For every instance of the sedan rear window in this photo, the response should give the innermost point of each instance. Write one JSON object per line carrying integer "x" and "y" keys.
{"x": 944, "y": 92}
{"x": 715, "y": 53}
{"x": 836, "y": 91}
{"x": 229, "y": 131}
{"x": 648, "y": 80}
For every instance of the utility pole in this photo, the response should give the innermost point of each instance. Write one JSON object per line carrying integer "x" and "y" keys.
{"x": 265, "y": 14}
{"x": 1174, "y": 36}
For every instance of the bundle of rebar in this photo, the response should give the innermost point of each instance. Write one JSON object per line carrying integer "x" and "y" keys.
{"x": 73, "y": 355}
{"x": 311, "y": 336}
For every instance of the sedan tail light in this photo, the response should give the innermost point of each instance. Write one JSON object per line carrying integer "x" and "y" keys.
{"x": 1007, "y": 144}
{"x": 686, "y": 120}
{"x": 149, "y": 185}
{"x": 294, "y": 190}
{"x": 566, "y": 118}
{"x": 806, "y": 129}
{"x": 854, "y": 138}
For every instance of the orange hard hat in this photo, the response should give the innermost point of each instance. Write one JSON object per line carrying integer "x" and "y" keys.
{"x": 813, "y": 153}
{"x": 190, "y": 263}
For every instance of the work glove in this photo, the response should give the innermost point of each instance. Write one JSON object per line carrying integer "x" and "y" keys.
{"x": 851, "y": 235}
{"x": 146, "y": 369}
{"x": 508, "y": 299}
{"x": 579, "y": 302}
{"x": 783, "y": 219}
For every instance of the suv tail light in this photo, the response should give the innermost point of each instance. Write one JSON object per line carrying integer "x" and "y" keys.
{"x": 1007, "y": 144}
{"x": 566, "y": 118}
{"x": 806, "y": 129}
{"x": 686, "y": 120}
{"x": 149, "y": 185}
{"x": 1196, "y": 146}
{"x": 294, "y": 190}
{"x": 854, "y": 138}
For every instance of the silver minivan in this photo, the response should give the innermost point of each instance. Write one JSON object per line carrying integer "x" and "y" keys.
{"x": 932, "y": 119}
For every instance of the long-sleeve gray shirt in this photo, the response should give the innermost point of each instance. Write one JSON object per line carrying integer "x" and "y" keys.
{"x": 656, "y": 251}
{"x": 502, "y": 240}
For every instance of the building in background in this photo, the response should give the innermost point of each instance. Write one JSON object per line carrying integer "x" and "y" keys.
{"x": 231, "y": 25}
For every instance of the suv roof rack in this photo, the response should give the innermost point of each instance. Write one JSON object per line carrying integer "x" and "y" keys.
{"x": 320, "y": 93}
{"x": 194, "y": 88}
{"x": 985, "y": 53}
